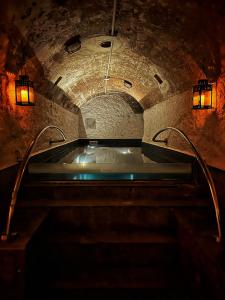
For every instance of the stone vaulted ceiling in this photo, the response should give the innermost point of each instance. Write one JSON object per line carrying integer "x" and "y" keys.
{"x": 180, "y": 41}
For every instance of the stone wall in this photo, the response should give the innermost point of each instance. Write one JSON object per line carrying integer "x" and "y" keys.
{"x": 19, "y": 125}
{"x": 169, "y": 39}
{"x": 111, "y": 116}
{"x": 206, "y": 128}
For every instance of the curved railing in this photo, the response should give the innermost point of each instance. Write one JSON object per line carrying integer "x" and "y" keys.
{"x": 19, "y": 177}
{"x": 205, "y": 170}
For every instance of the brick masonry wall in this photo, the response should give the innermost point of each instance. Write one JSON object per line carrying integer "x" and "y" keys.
{"x": 19, "y": 125}
{"x": 205, "y": 128}
{"x": 110, "y": 116}
{"x": 169, "y": 38}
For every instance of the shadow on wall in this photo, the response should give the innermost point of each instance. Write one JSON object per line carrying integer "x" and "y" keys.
{"x": 16, "y": 53}
{"x": 209, "y": 137}
{"x": 18, "y": 125}
{"x": 82, "y": 130}
{"x": 112, "y": 115}
{"x": 205, "y": 128}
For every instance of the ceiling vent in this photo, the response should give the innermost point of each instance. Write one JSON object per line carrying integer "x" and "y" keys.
{"x": 127, "y": 84}
{"x": 58, "y": 80}
{"x": 73, "y": 44}
{"x": 106, "y": 44}
{"x": 158, "y": 78}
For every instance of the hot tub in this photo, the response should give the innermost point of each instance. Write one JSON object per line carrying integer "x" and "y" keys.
{"x": 108, "y": 160}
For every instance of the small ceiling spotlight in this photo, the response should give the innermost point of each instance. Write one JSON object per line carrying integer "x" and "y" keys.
{"x": 73, "y": 44}
{"x": 106, "y": 44}
{"x": 202, "y": 95}
{"x": 127, "y": 84}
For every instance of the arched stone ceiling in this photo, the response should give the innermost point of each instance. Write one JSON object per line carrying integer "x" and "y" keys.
{"x": 178, "y": 40}
{"x": 132, "y": 102}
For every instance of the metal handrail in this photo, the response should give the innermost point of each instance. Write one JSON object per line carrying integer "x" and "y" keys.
{"x": 19, "y": 177}
{"x": 205, "y": 170}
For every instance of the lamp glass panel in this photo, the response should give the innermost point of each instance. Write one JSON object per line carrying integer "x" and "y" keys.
{"x": 31, "y": 94}
{"x": 202, "y": 96}
{"x": 196, "y": 99}
{"x": 207, "y": 98}
{"x": 22, "y": 94}
{"x": 25, "y": 95}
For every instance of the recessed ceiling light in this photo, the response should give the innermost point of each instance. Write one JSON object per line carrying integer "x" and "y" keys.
{"x": 106, "y": 44}
{"x": 127, "y": 84}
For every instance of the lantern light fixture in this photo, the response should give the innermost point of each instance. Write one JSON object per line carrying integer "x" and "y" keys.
{"x": 202, "y": 95}
{"x": 24, "y": 89}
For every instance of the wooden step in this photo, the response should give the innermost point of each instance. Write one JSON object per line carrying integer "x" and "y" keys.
{"x": 177, "y": 293}
{"x": 98, "y": 191}
{"x": 28, "y": 181}
{"x": 25, "y": 224}
{"x": 111, "y": 248}
{"x": 118, "y": 277}
{"x": 108, "y": 218}
{"x": 112, "y": 237}
{"x": 157, "y": 202}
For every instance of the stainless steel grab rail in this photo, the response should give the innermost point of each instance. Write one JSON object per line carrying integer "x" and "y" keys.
{"x": 205, "y": 170}
{"x": 19, "y": 177}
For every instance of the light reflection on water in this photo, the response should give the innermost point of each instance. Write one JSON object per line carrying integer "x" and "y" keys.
{"x": 95, "y": 162}
{"x": 110, "y": 155}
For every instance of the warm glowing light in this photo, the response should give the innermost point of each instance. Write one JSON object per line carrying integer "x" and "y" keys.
{"x": 202, "y": 100}
{"x": 214, "y": 94}
{"x": 24, "y": 95}
{"x": 196, "y": 99}
{"x": 24, "y": 91}
{"x": 207, "y": 95}
{"x": 203, "y": 95}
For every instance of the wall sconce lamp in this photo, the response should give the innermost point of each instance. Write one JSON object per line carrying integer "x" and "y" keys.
{"x": 24, "y": 91}
{"x": 24, "y": 88}
{"x": 202, "y": 95}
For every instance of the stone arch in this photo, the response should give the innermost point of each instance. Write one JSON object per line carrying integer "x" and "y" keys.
{"x": 111, "y": 115}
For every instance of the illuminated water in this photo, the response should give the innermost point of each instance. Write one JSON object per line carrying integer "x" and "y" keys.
{"x": 93, "y": 162}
